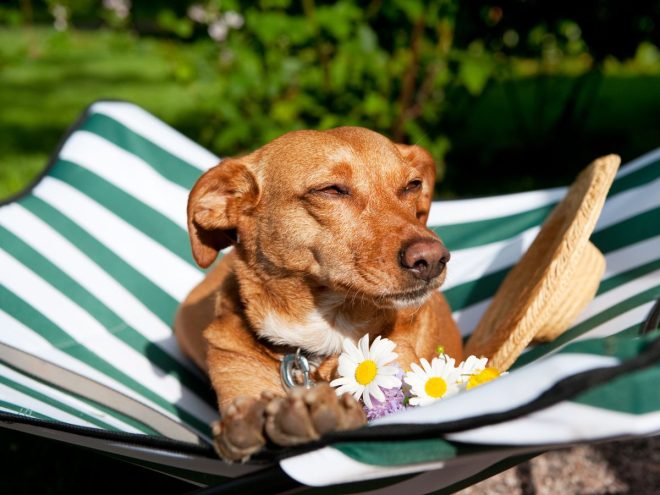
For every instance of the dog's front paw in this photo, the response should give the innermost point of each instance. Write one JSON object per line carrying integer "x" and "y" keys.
{"x": 240, "y": 432}
{"x": 306, "y": 414}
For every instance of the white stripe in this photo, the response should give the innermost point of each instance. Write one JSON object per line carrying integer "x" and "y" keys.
{"x": 159, "y": 133}
{"x": 614, "y": 296}
{"x": 44, "y": 239}
{"x": 165, "y": 269}
{"x": 129, "y": 173}
{"x": 339, "y": 468}
{"x": 617, "y": 262}
{"x": 468, "y": 318}
{"x": 474, "y": 210}
{"x": 31, "y": 404}
{"x": 17, "y": 335}
{"x": 632, "y": 256}
{"x": 505, "y": 393}
{"x": 628, "y": 204}
{"x": 65, "y": 399}
{"x": 564, "y": 422}
{"x": 85, "y": 330}
{"x": 620, "y": 322}
{"x": 474, "y": 263}
{"x": 640, "y": 162}
{"x": 24, "y": 339}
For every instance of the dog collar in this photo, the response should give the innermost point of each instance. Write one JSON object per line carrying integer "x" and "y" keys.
{"x": 292, "y": 363}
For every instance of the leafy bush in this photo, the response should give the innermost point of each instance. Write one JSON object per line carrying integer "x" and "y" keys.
{"x": 415, "y": 70}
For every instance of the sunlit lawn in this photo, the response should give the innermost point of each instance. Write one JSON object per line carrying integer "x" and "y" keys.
{"x": 48, "y": 78}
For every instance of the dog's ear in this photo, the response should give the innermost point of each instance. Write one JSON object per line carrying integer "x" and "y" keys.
{"x": 423, "y": 162}
{"x": 216, "y": 203}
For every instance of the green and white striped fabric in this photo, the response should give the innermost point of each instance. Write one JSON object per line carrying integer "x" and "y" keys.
{"x": 95, "y": 258}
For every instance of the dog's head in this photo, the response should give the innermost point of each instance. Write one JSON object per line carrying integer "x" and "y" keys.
{"x": 343, "y": 209}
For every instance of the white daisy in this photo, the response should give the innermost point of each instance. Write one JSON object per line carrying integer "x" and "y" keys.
{"x": 432, "y": 382}
{"x": 474, "y": 372}
{"x": 364, "y": 370}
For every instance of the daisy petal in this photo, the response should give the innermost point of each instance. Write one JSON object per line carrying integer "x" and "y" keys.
{"x": 363, "y": 345}
{"x": 352, "y": 351}
{"x": 338, "y": 381}
{"x": 416, "y": 368}
{"x": 346, "y": 366}
{"x": 343, "y": 389}
{"x": 427, "y": 367}
{"x": 366, "y": 398}
{"x": 389, "y": 382}
{"x": 376, "y": 392}
{"x": 384, "y": 359}
{"x": 388, "y": 370}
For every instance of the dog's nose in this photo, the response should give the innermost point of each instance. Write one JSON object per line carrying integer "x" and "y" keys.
{"x": 424, "y": 258}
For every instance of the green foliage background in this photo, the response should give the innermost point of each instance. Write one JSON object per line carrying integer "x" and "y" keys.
{"x": 506, "y": 95}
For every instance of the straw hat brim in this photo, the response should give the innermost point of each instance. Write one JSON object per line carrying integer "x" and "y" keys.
{"x": 554, "y": 280}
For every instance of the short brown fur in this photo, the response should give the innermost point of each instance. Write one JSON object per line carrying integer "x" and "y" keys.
{"x": 303, "y": 247}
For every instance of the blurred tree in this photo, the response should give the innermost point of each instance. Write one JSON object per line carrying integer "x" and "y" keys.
{"x": 418, "y": 71}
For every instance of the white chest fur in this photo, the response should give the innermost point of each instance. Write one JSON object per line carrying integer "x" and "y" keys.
{"x": 321, "y": 332}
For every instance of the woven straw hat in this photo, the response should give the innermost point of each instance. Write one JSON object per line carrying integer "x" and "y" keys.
{"x": 555, "y": 279}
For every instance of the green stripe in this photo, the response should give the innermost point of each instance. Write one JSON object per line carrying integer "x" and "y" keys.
{"x": 144, "y": 428}
{"x": 481, "y": 232}
{"x": 141, "y": 216}
{"x": 633, "y": 393}
{"x": 55, "y": 403}
{"x": 628, "y": 276}
{"x": 32, "y": 318}
{"x": 169, "y": 166}
{"x": 627, "y": 232}
{"x": 22, "y": 411}
{"x": 589, "y": 324}
{"x": 617, "y": 236}
{"x": 153, "y": 297}
{"x": 400, "y": 452}
{"x": 639, "y": 177}
{"x": 624, "y": 345}
{"x": 115, "y": 325}
{"x": 469, "y": 293}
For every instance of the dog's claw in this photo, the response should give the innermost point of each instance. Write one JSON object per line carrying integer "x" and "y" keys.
{"x": 306, "y": 414}
{"x": 239, "y": 433}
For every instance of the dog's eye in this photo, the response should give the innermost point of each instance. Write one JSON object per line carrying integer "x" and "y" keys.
{"x": 414, "y": 185}
{"x": 333, "y": 190}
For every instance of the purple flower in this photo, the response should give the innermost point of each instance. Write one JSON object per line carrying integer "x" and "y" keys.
{"x": 394, "y": 401}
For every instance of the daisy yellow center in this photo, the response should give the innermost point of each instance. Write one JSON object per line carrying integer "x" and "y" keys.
{"x": 485, "y": 375}
{"x": 366, "y": 372}
{"x": 435, "y": 387}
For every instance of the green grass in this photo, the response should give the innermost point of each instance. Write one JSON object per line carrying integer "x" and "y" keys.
{"x": 48, "y": 78}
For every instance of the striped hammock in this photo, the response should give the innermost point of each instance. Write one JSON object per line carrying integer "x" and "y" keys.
{"x": 94, "y": 259}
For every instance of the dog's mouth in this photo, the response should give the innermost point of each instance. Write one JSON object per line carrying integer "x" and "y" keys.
{"x": 406, "y": 299}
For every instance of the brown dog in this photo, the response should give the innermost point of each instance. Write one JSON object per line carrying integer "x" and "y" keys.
{"x": 330, "y": 242}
